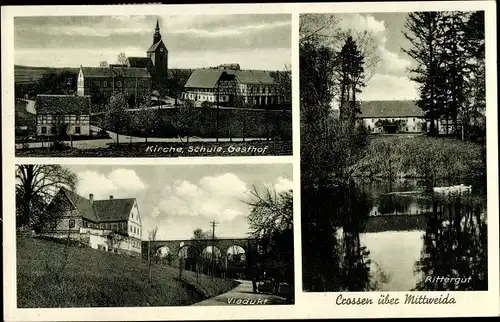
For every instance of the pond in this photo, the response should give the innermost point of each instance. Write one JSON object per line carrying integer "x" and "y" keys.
{"x": 394, "y": 236}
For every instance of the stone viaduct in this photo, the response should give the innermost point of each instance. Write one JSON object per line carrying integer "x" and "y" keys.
{"x": 223, "y": 244}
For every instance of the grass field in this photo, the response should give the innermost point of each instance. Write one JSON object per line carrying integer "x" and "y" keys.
{"x": 93, "y": 278}
{"x": 421, "y": 157}
{"x": 170, "y": 149}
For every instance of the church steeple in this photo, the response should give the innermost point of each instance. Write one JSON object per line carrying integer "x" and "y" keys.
{"x": 157, "y": 35}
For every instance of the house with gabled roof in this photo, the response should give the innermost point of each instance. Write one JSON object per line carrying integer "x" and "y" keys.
{"x": 222, "y": 84}
{"x": 69, "y": 111}
{"x": 398, "y": 116}
{"x": 110, "y": 224}
{"x": 107, "y": 81}
{"x": 392, "y": 116}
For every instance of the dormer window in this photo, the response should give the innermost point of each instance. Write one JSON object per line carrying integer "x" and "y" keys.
{"x": 105, "y": 84}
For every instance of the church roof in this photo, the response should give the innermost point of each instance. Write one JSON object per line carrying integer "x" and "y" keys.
{"x": 100, "y": 210}
{"x": 405, "y": 108}
{"x": 62, "y": 104}
{"x": 107, "y": 72}
{"x": 131, "y": 72}
{"x": 207, "y": 78}
{"x": 154, "y": 46}
{"x": 140, "y": 62}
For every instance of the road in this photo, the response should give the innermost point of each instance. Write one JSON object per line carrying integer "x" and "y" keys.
{"x": 242, "y": 292}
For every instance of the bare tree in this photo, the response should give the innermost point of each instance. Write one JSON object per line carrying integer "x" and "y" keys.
{"x": 36, "y": 184}
{"x": 319, "y": 28}
{"x": 122, "y": 58}
{"x": 151, "y": 237}
{"x": 103, "y": 63}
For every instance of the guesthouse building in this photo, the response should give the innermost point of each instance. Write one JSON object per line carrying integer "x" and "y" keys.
{"x": 223, "y": 84}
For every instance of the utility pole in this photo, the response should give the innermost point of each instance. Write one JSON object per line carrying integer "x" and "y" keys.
{"x": 217, "y": 113}
{"x": 213, "y": 223}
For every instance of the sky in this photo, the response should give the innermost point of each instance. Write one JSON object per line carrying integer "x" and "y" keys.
{"x": 181, "y": 198}
{"x": 390, "y": 80}
{"x": 253, "y": 41}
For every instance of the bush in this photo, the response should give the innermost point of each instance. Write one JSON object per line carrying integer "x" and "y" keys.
{"x": 421, "y": 157}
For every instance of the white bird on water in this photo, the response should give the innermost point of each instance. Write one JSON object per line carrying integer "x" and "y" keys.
{"x": 453, "y": 189}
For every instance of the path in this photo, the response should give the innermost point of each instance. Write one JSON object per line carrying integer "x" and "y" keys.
{"x": 242, "y": 292}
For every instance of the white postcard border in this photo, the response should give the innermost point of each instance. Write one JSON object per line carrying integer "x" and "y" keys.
{"x": 307, "y": 305}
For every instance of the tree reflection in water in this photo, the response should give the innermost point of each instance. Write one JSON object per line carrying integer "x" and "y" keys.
{"x": 455, "y": 246}
{"x": 333, "y": 219}
{"x": 333, "y": 257}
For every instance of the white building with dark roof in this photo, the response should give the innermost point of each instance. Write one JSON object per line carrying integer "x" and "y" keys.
{"x": 399, "y": 117}
{"x": 109, "y": 224}
{"x": 405, "y": 116}
{"x": 259, "y": 88}
{"x": 68, "y": 111}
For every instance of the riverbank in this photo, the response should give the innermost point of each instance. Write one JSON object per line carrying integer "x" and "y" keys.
{"x": 93, "y": 278}
{"x": 420, "y": 157}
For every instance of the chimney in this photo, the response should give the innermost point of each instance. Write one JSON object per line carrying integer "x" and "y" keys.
{"x": 91, "y": 198}
{"x": 110, "y": 197}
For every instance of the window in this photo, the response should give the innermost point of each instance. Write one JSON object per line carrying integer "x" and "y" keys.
{"x": 53, "y": 130}
{"x": 118, "y": 84}
{"x": 71, "y": 223}
{"x": 44, "y": 130}
{"x": 77, "y": 130}
{"x": 105, "y": 84}
{"x": 77, "y": 119}
{"x": 53, "y": 224}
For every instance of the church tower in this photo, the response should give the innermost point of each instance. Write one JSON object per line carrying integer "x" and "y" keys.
{"x": 158, "y": 54}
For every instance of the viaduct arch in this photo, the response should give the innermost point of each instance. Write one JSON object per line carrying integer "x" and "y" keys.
{"x": 223, "y": 244}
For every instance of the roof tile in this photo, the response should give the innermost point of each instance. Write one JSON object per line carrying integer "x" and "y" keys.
{"x": 375, "y": 109}
{"x": 62, "y": 104}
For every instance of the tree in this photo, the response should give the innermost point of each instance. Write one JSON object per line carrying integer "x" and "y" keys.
{"x": 151, "y": 253}
{"x": 116, "y": 118}
{"x": 122, "y": 59}
{"x": 284, "y": 88}
{"x": 199, "y": 242}
{"x": 188, "y": 117}
{"x": 319, "y": 28}
{"x": 146, "y": 119}
{"x": 271, "y": 222}
{"x": 425, "y": 34}
{"x": 243, "y": 115}
{"x": 114, "y": 241}
{"x": 103, "y": 63}
{"x": 351, "y": 64}
{"x": 57, "y": 83}
{"x": 176, "y": 80}
{"x": 35, "y": 186}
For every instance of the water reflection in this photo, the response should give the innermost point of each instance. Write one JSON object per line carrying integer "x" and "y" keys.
{"x": 393, "y": 236}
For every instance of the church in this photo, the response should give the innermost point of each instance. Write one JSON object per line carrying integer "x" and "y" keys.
{"x": 156, "y": 61}
{"x": 133, "y": 79}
